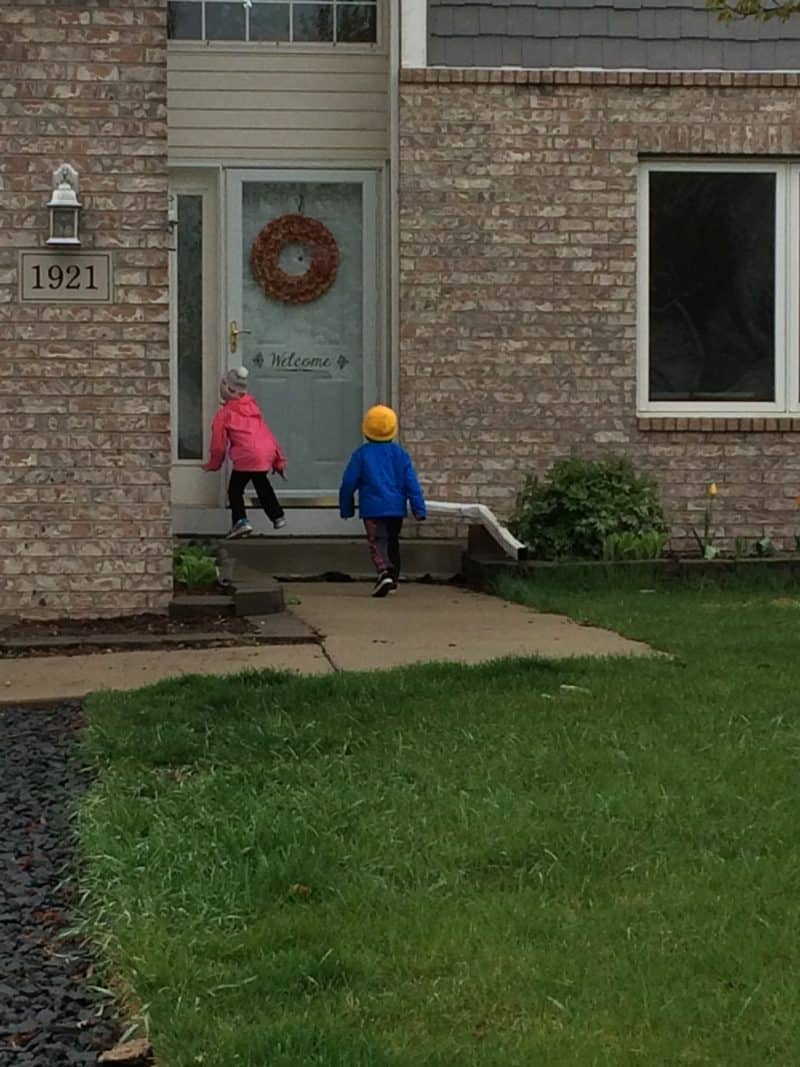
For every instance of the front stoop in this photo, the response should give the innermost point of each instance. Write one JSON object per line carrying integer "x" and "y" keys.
{"x": 253, "y": 569}
{"x": 261, "y": 559}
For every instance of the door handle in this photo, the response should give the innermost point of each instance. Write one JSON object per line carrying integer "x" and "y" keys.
{"x": 235, "y": 331}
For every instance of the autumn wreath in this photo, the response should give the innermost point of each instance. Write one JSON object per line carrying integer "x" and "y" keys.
{"x": 295, "y": 288}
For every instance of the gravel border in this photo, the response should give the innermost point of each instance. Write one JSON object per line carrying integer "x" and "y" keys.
{"x": 49, "y": 1013}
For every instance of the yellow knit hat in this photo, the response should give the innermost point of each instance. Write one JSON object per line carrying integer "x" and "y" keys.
{"x": 380, "y": 424}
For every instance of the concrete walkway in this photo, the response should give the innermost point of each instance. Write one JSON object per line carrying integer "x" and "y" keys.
{"x": 49, "y": 678}
{"x": 421, "y": 623}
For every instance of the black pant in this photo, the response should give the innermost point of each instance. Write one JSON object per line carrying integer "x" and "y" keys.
{"x": 383, "y": 538}
{"x": 266, "y": 494}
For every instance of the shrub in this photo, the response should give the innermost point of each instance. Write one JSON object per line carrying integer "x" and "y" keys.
{"x": 193, "y": 567}
{"x": 581, "y": 504}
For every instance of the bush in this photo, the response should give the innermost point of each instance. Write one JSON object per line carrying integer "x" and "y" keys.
{"x": 193, "y": 567}
{"x": 585, "y": 506}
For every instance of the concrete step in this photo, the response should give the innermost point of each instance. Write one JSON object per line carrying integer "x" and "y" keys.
{"x": 257, "y": 596}
{"x": 252, "y": 593}
{"x": 311, "y": 557}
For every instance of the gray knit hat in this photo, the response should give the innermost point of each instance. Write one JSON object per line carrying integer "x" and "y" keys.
{"x": 234, "y": 383}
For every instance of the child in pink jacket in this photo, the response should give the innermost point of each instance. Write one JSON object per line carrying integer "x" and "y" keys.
{"x": 239, "y": 426}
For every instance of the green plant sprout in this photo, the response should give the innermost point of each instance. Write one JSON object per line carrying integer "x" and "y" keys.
{"x": 708, "y": 549}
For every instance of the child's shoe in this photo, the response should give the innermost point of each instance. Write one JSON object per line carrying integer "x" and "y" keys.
{"x": 279, "y": 524}
{"x": 242, "y": 528}
{"x": 385, "y": 584}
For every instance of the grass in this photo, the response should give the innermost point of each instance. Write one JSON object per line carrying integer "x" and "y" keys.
{"x": 466, "y": 866}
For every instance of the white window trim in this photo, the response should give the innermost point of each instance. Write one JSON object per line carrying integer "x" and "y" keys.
{"x": 413, "y": 34}
{"x": 787, "y": 282}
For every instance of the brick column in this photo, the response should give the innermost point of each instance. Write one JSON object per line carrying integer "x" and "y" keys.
{"x": 84, "y": 389}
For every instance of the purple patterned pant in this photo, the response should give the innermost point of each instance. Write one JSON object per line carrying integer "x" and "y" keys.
{"x": 383, "y": 538}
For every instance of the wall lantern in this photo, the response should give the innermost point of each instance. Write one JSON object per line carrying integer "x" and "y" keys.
{"x": 65, "y": 207}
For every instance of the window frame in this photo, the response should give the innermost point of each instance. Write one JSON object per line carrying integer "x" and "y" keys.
{"x": 378, "y": 45}
{"x": 787, "y": 282}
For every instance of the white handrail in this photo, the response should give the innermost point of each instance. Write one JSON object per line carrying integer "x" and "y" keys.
{"x": 479, "y": 513}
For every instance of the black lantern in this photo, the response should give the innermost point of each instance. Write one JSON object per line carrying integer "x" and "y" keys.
{"x": 65, "y": 208}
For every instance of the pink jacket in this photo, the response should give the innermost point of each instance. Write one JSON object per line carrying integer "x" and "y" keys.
{"x": 239, "y": 424}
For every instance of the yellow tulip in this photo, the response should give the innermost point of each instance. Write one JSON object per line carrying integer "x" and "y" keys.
{"x": 712, "y": 489}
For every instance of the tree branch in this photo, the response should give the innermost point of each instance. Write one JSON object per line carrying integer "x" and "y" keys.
{"x": 764, "y": 10}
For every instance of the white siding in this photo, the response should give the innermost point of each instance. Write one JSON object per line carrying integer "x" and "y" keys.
{"x": 230, "y": 104}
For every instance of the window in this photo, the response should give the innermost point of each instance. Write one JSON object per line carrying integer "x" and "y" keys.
{"x": 189, "y": 326}
{"x": 296, "y": 21}
{"x": 718, "y": 292}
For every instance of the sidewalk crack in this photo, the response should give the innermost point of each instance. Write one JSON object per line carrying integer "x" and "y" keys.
{"x": 329, "y": 658}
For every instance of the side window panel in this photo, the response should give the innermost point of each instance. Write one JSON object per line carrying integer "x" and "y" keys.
{"x": 293, "y": 21}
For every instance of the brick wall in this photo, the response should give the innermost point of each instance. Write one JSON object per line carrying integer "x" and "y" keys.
{"x": 84, "y": 390}
{"x": 518, "y": 282}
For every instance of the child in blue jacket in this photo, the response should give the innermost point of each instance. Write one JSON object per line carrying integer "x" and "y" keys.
{"x": 382, "y": 474}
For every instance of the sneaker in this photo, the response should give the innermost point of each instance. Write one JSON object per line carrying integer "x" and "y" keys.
{"x": 242, "y": 528}
{"x": 279, "y": 524}
{"x": 385, "y": 584}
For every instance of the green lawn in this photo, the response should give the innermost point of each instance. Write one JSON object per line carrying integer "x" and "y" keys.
{"x": 502, "y": 872}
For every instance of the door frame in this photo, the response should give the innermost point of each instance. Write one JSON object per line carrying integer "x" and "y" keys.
{"x": 372, "y": 274}
{"x": 310, "y": 515}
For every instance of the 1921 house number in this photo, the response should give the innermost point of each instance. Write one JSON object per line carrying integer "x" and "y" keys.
{"x": 69, "y": 277}
{"x": 65, "y": 277}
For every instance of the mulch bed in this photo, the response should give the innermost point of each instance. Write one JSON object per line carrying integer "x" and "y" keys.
{"x": 49, "y": 1014}
{"x": 33, "y": 629}
{"x": 79, "y": 637}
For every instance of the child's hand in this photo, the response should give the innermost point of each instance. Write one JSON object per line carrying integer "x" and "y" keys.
{"x": 206, "y": 467}
{"x": 282, "y": 473}
{"x": 419, "y": 518}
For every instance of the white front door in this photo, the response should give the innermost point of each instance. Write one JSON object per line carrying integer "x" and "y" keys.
{"x": 313, "y": 363}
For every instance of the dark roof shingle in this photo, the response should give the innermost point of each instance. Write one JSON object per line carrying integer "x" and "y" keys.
{"x": 612, "y": 34}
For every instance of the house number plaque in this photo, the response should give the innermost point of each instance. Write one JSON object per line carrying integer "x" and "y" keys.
{"x": 65, "y": 277}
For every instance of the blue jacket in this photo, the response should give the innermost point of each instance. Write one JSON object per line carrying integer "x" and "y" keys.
{"x": 386, "y": 482}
